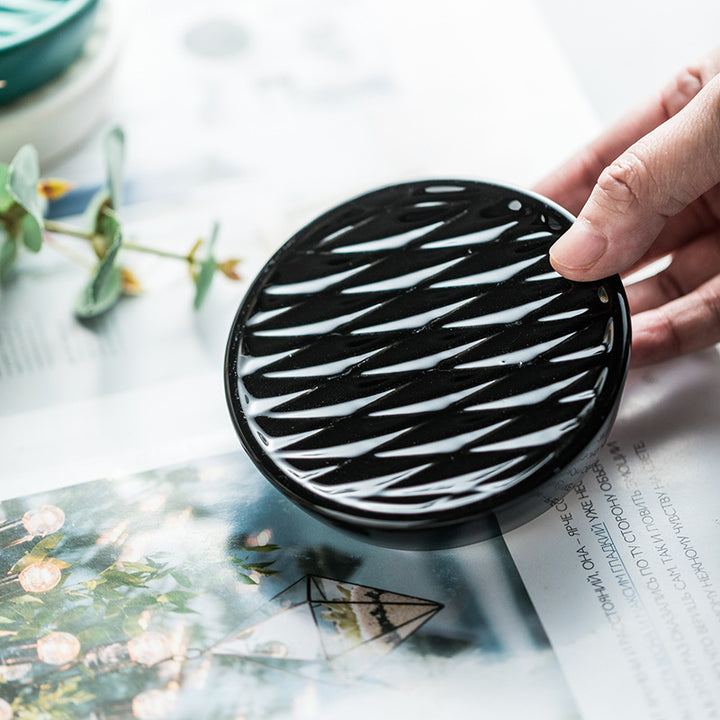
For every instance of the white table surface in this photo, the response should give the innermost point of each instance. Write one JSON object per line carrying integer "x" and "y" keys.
{"x": 291, "y": 108}
{"x": 620, "y": 50}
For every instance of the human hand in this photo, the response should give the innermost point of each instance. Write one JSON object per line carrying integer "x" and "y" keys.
{"x": 649, "y": 187}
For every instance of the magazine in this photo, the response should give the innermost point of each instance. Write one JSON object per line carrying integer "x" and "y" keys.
{"x": 625, "y": 572}
{"x": 197, "y": 590}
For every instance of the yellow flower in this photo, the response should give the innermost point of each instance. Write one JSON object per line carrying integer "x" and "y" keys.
{"x": 228, "y": 268}
{"x": 53, "y": 188}
{"x": 130, "y": 284}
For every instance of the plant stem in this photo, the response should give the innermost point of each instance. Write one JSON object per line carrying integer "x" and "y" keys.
{"x": 156, "y": 251}
{"x": 75, "y": 257}
{"x": 63, "y": 229}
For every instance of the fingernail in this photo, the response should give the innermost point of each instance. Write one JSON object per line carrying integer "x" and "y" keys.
{"x": 579, "y": 248}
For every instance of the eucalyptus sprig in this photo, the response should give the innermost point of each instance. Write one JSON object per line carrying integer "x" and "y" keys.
{"x": 23, "y": 200}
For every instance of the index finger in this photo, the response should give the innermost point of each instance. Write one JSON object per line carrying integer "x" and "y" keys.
{"x": 658, "y": 176}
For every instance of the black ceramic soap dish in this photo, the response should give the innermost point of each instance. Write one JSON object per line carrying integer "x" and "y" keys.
{"x": 410, "y": 367}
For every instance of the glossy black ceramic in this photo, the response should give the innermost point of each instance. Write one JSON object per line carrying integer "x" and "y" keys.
{"x": 410, "y": 367}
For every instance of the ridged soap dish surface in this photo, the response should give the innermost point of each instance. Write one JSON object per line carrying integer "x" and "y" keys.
{"x": 38, "y": 40}
{"x": 410, "y": 367}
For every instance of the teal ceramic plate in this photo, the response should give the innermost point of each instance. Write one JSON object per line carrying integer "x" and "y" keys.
{"x": 38, "y": 40}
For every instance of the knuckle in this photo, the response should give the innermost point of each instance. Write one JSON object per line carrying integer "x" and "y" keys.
{"x": 674, "y": 345}
{"x": 709, "y": 66}
{"x": 669, "y": 285}
{"x": 710, "y": 296}
{"x": 689, "y": 81}
{"x": 633, "y": 179}
{"x": 681, "y": 90}
{"x": 623, "y": 183}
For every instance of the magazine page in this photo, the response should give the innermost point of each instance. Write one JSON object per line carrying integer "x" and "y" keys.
{"x": 625, "y": 572}
{"x": 48, "y": 357}
{"x": 197, "y": 590}
{"x": 137, "y": 387}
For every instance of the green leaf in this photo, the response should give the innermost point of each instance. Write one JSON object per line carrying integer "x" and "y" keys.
{"x": 31, "y": 232}
{"x": 137, "y": 567}
{"x": 114, "y": 157}
{"x": 106, "y": 592}
{"x": 90, "y": 305}
{"x": 138, "y": 603}
{"x": 184, "y": 610}
{"x": 25, "y": 560}
{"x": 8, "y": 254}
{"x": 118, "y": 578}
{"x": 207, "y": 270}
{"x": 78, "y": 698}
{"x": 261, "y": 565}
{"x": 179, "y": 596}
{"x": 28, "y": 599}
{"x": 105, "y": 288}
{"x": 22, "y": 182}
{"x": 96, "y": 209}
{"x": 110, "y": 227}
{"x": 181, "y": 578}
{"x": 72, "y": 616}
{"x": 6, "y": 199}
{"x": 46, "y": 544}
{"x": 101, "y": 222}
{"x": 246, "y": 579}
{"x": 96, "y": 635}
{"x": 131, "y": 625}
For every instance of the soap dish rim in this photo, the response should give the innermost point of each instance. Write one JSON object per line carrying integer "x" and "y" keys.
{"x": 377, "y": 524}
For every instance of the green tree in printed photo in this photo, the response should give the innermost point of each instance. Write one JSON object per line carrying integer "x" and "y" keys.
{"x": 111, "y": 598}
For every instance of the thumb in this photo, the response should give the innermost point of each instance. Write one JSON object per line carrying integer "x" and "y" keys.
{"x": 634, "y": 196}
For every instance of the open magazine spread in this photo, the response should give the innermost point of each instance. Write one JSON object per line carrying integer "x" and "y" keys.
{"x": 196, "y": 589}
